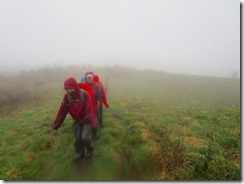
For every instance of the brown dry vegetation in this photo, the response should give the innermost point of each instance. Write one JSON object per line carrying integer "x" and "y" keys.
{"x": 31, "y": 87}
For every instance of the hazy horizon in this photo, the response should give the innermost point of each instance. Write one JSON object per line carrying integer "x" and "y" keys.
{"x": 186, "y": 37}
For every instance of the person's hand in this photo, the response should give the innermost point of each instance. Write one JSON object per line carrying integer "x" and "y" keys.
{"x": 55, "y": 127}
{"x": 94, "y": 126}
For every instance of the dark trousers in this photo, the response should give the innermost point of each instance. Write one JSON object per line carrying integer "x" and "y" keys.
{"x": 83, "y": 137}
{"x": 99, "y": 114}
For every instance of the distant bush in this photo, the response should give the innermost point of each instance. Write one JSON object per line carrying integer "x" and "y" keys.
{"x": 16, "y": 90}
{"x": 26, "y": 87}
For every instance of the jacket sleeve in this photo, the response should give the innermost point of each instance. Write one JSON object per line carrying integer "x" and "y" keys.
{"x": 63, "y": 111}
{"x": 90, "y": 113}
{"x": 104, "y": 98}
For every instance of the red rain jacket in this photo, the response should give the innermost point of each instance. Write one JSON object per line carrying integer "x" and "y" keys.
{"x": 80, "y": 110}
{"x": 101, "y": 96}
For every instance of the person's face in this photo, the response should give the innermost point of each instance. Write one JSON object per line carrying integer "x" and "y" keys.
{"x": 89, "y": 79}
{"x": 69, "y": 90}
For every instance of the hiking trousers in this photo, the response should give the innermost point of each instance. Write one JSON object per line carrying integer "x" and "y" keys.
{"x": 99, "y": 114}
{"x": 83, "y": 138}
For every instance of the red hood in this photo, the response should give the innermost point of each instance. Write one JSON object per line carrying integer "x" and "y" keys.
{"x": 96, "y": 78}
{"x": 71, "y": 83}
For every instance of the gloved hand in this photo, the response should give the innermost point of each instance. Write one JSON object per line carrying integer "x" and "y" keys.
{"x": 94, "y": 125}
{"x": 55, "y": 127}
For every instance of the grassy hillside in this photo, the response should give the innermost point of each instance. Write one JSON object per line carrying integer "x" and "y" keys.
{"x": 159, "y": 126}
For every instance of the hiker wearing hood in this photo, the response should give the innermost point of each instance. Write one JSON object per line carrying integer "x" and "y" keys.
{"x": 89, "y": 82}
{"x": 78, "y": 104}
{"x": 100, "y": 99}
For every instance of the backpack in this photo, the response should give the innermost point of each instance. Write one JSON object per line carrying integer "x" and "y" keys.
{"x": 76, "y": 100}
{"x": 98, "y": 92}
{"x": 75, "y": 109}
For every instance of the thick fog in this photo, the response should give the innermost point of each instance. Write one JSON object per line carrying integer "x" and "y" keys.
{"x": 177, "y": 36}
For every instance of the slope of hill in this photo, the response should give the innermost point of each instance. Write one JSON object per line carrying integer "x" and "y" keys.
{"x": 160, "y": 127}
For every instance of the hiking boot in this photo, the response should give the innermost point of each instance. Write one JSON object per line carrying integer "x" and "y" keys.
{"x": 89, "y": 153}
{"x": 79, "y": 155}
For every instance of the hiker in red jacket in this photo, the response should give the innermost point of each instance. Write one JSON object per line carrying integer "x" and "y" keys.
{"x": 100, "y": 99}
{"x": 78, "y": 104}
{"x": 89, "y": 81}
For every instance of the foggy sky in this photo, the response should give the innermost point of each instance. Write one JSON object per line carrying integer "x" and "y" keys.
{"x": 178, "y": 36}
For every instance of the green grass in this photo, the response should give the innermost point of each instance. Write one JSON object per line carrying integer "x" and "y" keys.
{"x": 159, "y": 127}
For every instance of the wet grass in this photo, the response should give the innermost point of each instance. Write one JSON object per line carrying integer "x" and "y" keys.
{"x": 147, "y": 135}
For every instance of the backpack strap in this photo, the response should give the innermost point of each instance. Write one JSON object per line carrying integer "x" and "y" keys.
{"x": 82, "y": 98}
{"x": 82, "y": 95}
{"x": 100, "y": 89}
{"x": 69, "y": 98}
{"x": 99, "y": 92}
